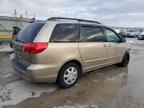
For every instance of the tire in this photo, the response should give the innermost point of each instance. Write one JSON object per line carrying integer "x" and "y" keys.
{"x": 125, "y": 60}
{"x": 68, "y": 75}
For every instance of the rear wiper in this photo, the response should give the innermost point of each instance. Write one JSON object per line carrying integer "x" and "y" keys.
{"x": 17, "y": 40}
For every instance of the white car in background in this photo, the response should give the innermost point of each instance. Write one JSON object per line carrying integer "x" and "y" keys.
{"x": 120, "y": 32}
{"x": 141, "y": 36}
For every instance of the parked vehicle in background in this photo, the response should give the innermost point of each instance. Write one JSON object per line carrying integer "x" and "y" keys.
{"x": 141, "y": 36}
{"x": 120, "y": 32}
{"x": 130, "y": 34}
{"x": 14, "y": 34}
{"x": 61, "y": 49}
{"x": 137, "y": 33}
{"x": 117, "y": 31}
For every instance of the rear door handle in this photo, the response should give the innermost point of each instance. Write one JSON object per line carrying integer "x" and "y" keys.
{"x": 105, "y": 45}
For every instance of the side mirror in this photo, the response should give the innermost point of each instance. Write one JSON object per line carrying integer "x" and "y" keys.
{"x": 123, "y": 39}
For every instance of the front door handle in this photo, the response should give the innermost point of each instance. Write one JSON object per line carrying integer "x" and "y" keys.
{"x": 110, "y": 45}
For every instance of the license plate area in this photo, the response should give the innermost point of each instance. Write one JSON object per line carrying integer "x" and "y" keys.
{"x": 21, "y": 57}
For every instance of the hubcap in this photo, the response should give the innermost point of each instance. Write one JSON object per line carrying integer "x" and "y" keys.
{"x": 70, "y": 75}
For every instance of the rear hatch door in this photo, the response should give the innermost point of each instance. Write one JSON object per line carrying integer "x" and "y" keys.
{"x": 26, "y": 35}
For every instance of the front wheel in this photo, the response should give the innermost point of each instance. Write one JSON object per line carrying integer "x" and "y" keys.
{"x": 125, "y": 60}
{"x": 68, "y": 75}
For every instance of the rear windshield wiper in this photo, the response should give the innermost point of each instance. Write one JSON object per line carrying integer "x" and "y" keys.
{"x": 17, "y": 40}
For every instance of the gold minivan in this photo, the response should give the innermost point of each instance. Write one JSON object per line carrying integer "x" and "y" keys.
{"x": 61, "y": 49}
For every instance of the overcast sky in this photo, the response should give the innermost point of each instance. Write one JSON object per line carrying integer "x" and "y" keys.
{"x": 128, "y": 13}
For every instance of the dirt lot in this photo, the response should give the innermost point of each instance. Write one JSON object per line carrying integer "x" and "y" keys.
{"x": 110, "y": 87}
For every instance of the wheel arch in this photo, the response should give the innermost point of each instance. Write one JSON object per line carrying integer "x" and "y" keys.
{"x": 127, "y": 53}
{"x": 71, "y": 61}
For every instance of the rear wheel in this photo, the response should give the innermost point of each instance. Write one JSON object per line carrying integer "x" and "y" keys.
{"x": 68, "y": 76}
{"x": 125, "y": 60}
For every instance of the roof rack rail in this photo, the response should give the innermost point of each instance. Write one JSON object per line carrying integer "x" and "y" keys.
{"x": 62, "y": 18}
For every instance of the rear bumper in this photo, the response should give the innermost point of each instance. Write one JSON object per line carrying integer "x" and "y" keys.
{"x": 36, "y": 72}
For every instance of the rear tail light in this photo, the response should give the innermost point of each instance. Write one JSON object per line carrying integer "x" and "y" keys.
{"x": 34, "y": 48}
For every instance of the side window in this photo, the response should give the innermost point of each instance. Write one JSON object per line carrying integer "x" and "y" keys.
{"x": 65, "y": 33}
{"x": 112, "y": 36}
{"x": 91, "y": 34}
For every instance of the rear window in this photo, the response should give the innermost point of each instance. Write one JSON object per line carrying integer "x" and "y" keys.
{"x": 65, "y": 33}
{"x": 29, "y": 32}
